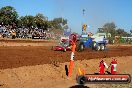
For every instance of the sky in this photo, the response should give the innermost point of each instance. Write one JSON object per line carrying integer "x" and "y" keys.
{"x": 97, "y": 12}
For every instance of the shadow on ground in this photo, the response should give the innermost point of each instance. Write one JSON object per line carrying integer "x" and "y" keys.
{"x": 79, "y": 86}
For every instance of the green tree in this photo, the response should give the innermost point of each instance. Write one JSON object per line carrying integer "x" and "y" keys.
{"x": 41, "y": 21}
{"x": 27, "y": 21}
{"x": 110, "y": 28}
{"x": 8, "y": 15}
{"x": 58, "y": 23}
{"x": 121, "y": 32}
{"x": 41, "y": 16}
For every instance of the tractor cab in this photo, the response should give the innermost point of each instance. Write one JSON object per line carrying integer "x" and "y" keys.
{"x": 87, "y": 41}
{"x": 84, "y": 41}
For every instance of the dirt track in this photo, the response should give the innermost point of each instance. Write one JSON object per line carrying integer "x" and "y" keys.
{"x": 17, "y": 56}
{"x": 34, "y": 72}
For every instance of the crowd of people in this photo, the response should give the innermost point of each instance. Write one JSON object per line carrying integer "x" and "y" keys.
{"x": 7, "y": 31}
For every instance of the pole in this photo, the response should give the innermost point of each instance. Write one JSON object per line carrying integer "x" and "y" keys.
{"x": 82, "y": 22}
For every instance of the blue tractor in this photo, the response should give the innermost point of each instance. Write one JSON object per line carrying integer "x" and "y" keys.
{"x": 97, "y": 43}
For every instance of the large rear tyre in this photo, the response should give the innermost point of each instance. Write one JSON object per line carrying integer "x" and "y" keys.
{"x": 98, "y": 48}
{"x": 102, "y": 47}
{"x": 80, "y": 46}
{"x": 94, "y": 46}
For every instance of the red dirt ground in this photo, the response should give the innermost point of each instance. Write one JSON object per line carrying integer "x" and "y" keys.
{"x": 34, "y": 71}
{"x": 17, "y": 56}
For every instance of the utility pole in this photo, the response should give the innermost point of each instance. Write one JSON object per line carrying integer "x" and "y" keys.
{"x": 83, "y": 12}
{"x": 84, "y": 26}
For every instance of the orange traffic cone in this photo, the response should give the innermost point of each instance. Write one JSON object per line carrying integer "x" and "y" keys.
{"x": 70, "y": 68}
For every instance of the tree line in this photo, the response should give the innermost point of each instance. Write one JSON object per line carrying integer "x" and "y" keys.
{"x": 113, "y": 30}
{"x": 9, "y": 16}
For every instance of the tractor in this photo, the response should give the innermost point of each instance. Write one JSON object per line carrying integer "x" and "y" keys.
{"x": 84, "y": 41}
{"x": 97, "y": 43}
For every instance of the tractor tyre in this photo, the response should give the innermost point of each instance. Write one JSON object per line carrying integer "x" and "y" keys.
{"x": 98, "y": 48}
{"x": 79, "y": 46}
{"x": 102, "y": 47}
{"x": 94, "y": 46}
